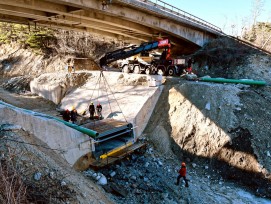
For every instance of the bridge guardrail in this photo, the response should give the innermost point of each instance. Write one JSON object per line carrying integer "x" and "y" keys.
{"x": 180, "y": 13}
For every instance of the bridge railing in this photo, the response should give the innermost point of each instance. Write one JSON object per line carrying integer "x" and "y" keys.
{"x": 180, "y": 13}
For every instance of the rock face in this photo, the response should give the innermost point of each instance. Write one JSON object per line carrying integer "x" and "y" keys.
{"x": 216, "y": 122}
{"x": 199, "y": 130}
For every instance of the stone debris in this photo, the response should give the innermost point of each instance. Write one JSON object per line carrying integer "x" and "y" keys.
{"x": 52, "y": 175}
{"x": 159, "y": 163}
{"x": 208, "y": 106}
{"x": 112, "y": 174}
{"x": 63, "y": 183}
{"x": 98, "y": 177}
{"x": 37, "y": 176}
{"x": 146, "y": 164}
{"x": 102, "y": 179}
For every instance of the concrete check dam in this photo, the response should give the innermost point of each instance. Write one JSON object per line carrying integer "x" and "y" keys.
{"x": 133, "y": 21}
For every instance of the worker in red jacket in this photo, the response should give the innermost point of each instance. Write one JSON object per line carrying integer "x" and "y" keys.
{"x": 66, "y": 115}
{"x": 182, "y": 174}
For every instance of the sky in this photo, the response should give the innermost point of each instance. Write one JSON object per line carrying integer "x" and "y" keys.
{"x": 229, "y": 15}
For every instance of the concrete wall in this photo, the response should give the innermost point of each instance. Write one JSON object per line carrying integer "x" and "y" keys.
{"x": 135, "y": 100}
{"x": 51, "y": 92}
{"x": 55, "y": 134}
{"x": 142, "y": 118}
{"x": 51, "y": 86}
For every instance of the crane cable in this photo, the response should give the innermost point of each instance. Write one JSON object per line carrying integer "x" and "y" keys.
{"x": 98, "y": 81}
{"x": 108, "y": 99}
{"x": 107, "y": 87}
{"x": 113, "y": 96}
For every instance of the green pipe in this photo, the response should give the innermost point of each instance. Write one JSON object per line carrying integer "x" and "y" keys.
{"x": 237, "y": 81}
{"x": 86, "y": 131}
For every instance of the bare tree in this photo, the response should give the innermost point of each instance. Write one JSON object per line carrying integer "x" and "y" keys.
{"x": 257, "y": 9}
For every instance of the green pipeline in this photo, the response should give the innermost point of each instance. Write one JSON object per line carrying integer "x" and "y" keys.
{"x": 236, "y": 81}
{"x": 86, "y": 131}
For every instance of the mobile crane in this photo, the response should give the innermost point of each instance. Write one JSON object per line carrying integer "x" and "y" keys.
{"x": 164, "y": 66}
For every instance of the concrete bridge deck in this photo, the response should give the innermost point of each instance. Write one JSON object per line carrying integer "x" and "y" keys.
{"x": 125, "y": 20}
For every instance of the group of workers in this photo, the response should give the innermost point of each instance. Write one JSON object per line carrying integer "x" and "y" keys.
{"x": 99, "y": 109}
{"x": 68, "y": 115}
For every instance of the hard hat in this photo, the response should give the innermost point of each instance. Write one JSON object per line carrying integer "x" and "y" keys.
{"x": 91, "y": 103}
{"x": 73, "y": 107}
{"x": 183, "y": 164}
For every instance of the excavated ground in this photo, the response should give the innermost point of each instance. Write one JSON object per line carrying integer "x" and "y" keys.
{"x": 204, "y": 131}
{"x": 219, "y": 124}
{"x": 222, "y": 131}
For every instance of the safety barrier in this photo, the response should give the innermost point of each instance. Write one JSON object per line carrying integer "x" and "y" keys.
{"x": 180, "y": 13}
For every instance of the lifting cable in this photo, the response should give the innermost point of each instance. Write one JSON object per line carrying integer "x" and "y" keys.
{"x": 98, "y": 82}
{"x": 106, "y": 87}
{"x": 113, "y": 96}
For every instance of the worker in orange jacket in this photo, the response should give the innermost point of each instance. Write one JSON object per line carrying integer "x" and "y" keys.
{"x": 182, "y": 174}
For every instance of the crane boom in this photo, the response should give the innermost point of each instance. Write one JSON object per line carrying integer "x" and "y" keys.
{"x": 132, "y": 50}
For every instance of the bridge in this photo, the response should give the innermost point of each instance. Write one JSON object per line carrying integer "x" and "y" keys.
{"x": 125, "y": 20}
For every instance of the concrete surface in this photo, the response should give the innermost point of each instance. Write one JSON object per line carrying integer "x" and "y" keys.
{"x": 70, "y": 143}
{"x": 123, "y": 98}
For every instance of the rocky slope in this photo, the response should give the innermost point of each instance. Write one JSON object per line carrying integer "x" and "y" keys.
{"x": 219, "y": 124}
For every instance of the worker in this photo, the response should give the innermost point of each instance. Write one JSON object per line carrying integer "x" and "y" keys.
{"x": 91, "y": 111}
{"x": 182, "y": 174}
{"x": 73, "y": 68}
{"x": 74, "y": 115}
{"x": 66, "y": 115}
{"x": 99, "y": 109}
{"x": 189, "y": 66}
{"x": 104, "y": 4}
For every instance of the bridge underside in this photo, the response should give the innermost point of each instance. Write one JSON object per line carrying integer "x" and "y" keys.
{"x": 119, "y": 20}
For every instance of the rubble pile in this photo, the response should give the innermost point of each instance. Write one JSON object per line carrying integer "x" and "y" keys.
{"x": 151, "y": 178}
